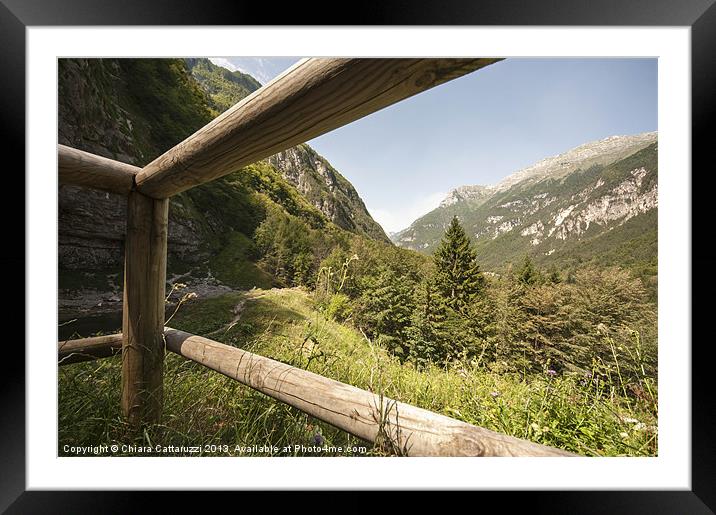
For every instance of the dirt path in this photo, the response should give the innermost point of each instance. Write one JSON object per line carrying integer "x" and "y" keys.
{"x": 238, "y": 309}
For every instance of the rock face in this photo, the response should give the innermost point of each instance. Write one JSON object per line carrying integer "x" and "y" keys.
{"x": 101, "y": 110}
{"x": 570, "y": 204}
{"x": 92, "y": 226}
{"x": 132, "y": 110}
{"x": 91, "y": 223}
{"x": 327, "y": 190}
{"x": 472, "y": 194}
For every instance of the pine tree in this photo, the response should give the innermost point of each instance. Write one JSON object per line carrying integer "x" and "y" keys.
{"x": 428, "y": 337}
{"x": 385, "y": 307}
{"x": 528, "y": 274}
{"x": 458, "y": 277}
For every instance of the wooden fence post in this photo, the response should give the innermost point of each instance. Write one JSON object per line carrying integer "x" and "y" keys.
{"x": 145, "y": 266}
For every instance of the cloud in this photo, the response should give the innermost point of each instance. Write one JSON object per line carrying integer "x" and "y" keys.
{"x": 224, "y": 63}
{"x": 262, "y": 71}
{"x": 254, "y": 66}
{"x": 396, "y": 218}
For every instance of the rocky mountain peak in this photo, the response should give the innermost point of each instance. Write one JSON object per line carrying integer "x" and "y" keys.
{"x": 599, "y": 152}
{"x": 466, "y": 193}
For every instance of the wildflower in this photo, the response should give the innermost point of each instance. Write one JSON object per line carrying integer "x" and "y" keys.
{"x": 551, "y": 372}
{"x": 495, "y": 394}
{"x": 318, "y": 439}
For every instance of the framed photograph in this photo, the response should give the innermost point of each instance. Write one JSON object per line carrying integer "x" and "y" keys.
{"x": 387, "y": 262}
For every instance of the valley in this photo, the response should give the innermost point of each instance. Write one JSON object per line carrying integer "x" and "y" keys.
{"x": 528, "y": 306}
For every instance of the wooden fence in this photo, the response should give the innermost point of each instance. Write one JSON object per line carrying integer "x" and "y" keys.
{"x": 309, "y": 99}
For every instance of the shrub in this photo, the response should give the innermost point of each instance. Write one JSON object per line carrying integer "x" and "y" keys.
{"x": 339, "y": 307}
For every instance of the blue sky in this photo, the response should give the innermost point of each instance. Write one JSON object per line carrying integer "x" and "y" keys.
{"x": 479, "y": 128}
{"x": 262, "y": 69}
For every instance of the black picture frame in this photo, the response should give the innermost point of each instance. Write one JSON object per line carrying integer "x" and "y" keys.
{"x": 700, "y": 15}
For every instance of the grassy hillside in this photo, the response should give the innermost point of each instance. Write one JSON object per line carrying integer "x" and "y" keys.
{"x": 203, "y": 407}
{"x": 228, "y": 211}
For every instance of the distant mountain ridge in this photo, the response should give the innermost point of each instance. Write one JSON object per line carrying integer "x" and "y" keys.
{"x": 562, "y": 208}
{"x": 600, "y": 152}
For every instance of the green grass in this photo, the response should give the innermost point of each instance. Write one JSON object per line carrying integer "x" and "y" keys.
{"x": 232, "y": 265}
{"x": 204, "y": 408}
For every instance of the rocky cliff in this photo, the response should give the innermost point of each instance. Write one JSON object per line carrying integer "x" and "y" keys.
{"x": 595, "y": 202}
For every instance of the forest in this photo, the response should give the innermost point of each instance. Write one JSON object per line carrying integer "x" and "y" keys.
{"x": 565, "y": 358}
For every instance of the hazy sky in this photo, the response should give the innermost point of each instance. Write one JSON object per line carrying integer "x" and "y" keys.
{"x": 479, "y": 128}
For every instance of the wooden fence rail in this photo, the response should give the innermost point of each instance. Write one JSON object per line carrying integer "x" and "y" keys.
{"x": 396, "y": 426}
{"x": 309, "y": 99}
{"x": 87, "y": 349}
{"x": 90, "y": 171}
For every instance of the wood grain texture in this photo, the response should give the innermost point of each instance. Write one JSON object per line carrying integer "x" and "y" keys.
{"x": 400, "y": 427}
{"x": 87, "y": 349}
{"x": 143, "y": 318}
{"x": 311, "y": 98}
{"x": 91, "y": 171}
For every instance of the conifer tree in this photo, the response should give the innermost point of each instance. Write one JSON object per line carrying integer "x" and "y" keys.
{"x": 385, "y": 307}
{"x": 528, "y": 274}
{"x": 428, "y": 336}
{"x": 458, "y": 277}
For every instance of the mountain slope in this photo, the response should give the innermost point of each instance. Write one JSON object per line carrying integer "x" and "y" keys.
{"x": 325, "y": 188}
{"x": 585, "y": 204}
{"x": 114, "y": 107}
{"x": 313, "y": 176}
{"x": 223, "y": 86}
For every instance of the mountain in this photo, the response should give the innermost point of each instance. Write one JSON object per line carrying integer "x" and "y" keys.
{"x": 313, "y": 176}
{"x": 224, "y": 87}
{"x": 133, "y": 110}
{"x": 596, "y": 202}
{"x": 327, "y": 190}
